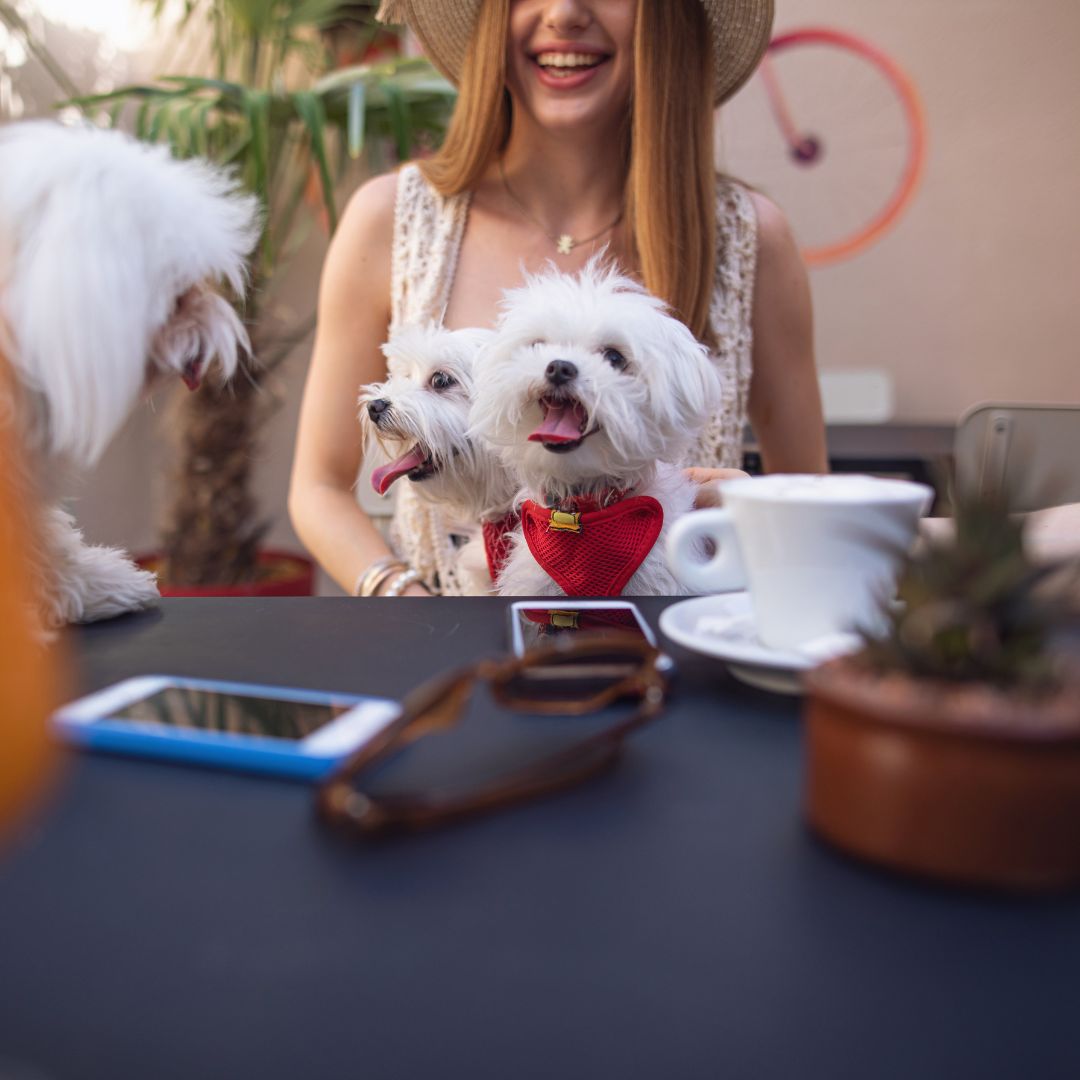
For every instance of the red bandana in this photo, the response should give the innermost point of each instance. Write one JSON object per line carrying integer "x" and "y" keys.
{"x": 497, "y": 543}
{"x": 593, "y": 552}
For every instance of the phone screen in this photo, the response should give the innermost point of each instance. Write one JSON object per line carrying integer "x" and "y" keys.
{"x": 236, "y": 714}
{"x": 540, "y": 625}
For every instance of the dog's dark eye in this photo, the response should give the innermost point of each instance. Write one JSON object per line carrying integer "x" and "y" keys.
{"x": 441, "y": 380}
{"x": 615, "y": 359}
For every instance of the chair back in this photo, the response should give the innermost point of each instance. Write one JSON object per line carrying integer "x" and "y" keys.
{"x": 1033, "y": 451}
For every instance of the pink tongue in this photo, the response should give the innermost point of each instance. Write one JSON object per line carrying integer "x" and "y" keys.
{"x": 385, "y": 475}
{"x": 561, "y": 424}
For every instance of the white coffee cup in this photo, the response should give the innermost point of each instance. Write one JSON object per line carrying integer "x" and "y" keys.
{"x": 820, "y": 552}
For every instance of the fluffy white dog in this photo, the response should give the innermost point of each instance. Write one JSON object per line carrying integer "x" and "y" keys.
{"x": 108, "y": 251}
{"x": 591, "y": 390}
{"x": 418, "y": 421}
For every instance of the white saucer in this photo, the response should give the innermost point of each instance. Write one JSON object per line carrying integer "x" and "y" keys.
{"x": 730, "y": 634}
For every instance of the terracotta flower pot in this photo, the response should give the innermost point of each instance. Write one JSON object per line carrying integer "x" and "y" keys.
{"x": 966, "y": 784}
{"x": 280, "y": 574}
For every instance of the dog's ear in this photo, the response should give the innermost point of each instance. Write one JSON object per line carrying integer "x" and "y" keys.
{"x": 105, "y": 235}
{"x": 463, "y": 349}
{"x": 497, "y": 398}
{"x": 75, "y": 339}
{"x": 684, "y": 385}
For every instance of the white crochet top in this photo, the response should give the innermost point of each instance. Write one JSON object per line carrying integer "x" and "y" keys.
{"x": 427, "y": 237}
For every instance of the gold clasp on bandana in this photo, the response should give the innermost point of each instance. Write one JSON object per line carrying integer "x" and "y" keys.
{"x": 562, "y": 522}
{"x": 564, "y": 620}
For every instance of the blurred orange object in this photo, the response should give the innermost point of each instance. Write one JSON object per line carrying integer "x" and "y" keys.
{"x": 29, "y": 686}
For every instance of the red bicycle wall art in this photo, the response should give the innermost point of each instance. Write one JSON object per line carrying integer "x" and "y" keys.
{"x": 853, "y": 139}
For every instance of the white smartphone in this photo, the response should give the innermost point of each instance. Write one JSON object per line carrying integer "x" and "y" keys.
{"x": 287, "y": 732}
{"x": 534, "y": 623}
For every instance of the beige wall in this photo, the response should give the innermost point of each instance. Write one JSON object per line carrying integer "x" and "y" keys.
{"x": 975, "y": 295}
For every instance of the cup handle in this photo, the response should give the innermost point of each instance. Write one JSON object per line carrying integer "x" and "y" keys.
{"x": 724, "y": 571}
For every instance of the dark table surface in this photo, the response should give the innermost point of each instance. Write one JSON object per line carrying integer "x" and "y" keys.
{"x": 672, "y": 918}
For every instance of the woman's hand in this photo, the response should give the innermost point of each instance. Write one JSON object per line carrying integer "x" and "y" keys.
{"x": 707, "y": 493}
{"x": 416, "y": 589}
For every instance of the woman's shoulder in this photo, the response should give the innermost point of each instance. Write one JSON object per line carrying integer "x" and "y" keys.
{"x": 773, "y": 229}
{"x": 361, "y": 244}
{"x": 368, "y": 218}
{"x": 375, "y": 204}
{"x": 372, "y": 202}
{"x": 746, "y": 213}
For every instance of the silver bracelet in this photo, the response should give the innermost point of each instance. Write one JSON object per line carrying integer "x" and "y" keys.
{"x": 370, "y": 579}
{"x": 402, "y": 582}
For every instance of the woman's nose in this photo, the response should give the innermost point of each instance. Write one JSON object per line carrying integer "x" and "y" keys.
{"x": 562, "y": 16}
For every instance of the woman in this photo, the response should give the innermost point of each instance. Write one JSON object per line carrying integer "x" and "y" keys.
{"x": 580, "y": 124}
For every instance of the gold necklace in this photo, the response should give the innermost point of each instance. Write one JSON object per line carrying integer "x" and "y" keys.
{"x": 564, "y": 242}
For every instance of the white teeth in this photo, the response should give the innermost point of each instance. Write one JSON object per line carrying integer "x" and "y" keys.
{"x": 567, "y": 60}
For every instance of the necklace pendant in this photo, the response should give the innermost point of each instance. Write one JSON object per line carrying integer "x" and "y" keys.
{"x": 565, "y": 244}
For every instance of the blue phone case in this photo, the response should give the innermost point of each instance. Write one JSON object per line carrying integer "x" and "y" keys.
{"x": 225, "y": 750}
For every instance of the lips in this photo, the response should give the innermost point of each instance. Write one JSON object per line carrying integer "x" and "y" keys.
{"x": 569, "y": 67}
{"x": 417, "y": 464}
{"x": 562, "y": 427}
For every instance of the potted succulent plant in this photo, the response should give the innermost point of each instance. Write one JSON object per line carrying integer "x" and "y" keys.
{"x": 950, "y": 745}
{"x": 278, "y": 108}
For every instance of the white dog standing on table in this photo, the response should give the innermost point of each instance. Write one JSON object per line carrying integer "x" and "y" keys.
{"x": 592, "y": 391}
{"x": 418, "y": 419}
{"x": 108, "y": 252}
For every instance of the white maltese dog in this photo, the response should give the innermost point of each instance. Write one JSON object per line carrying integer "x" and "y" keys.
{"x": 418, "y": 421}
{"x": 590, "y": 390}
{"x": 108, "y": 249}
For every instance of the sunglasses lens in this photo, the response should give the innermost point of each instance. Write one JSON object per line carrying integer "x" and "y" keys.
{"x": 570, "y": 678}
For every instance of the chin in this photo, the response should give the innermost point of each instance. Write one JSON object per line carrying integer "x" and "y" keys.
{"x": 586, "y": 114}
{"x": 118, "y": 239}
{"x": 593, "y": 394}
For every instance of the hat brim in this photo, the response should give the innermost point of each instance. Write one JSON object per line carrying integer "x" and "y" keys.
{"x": 740, "y": 35}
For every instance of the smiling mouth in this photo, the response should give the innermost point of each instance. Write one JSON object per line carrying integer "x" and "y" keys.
{"x": 563, "y": 425}
{"x": 565, "y": 65}
{"x": 417, "y": 464}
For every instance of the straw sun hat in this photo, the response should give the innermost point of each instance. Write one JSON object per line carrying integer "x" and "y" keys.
{"x": 740, "y": 33}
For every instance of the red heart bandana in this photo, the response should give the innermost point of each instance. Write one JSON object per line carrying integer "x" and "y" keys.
{"x": 497, "y": 543}
{"x": 593, "y": 552}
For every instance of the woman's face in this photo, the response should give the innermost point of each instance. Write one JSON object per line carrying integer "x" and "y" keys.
{"x": 570, "y": 63}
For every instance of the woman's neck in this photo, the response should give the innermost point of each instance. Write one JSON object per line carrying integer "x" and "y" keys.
{"x": 571, "y": 184}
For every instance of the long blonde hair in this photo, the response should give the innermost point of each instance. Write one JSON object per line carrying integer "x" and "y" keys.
{"x": 670, "y": 171}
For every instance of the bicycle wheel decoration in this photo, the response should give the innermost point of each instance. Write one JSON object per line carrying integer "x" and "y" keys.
{"x": 834, "y": 130}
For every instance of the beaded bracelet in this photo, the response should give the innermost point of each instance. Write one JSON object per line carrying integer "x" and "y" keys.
{"x": 402, "y": 582}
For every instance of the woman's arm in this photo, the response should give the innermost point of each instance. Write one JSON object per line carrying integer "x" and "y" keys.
{"x": 785, "y": 400}
{"x": 354, "y": 315}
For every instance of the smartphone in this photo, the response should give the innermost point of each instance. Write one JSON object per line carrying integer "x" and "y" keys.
{"x": 299, "y": 734}
{"x": 534, "y": 623}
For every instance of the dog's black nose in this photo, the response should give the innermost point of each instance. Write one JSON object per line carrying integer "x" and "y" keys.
{"x": 560, "y": 372}
{"x": 376, "y": 408}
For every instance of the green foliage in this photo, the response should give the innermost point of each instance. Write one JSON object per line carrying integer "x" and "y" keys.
{"x": 974, "y": 607}
{"x": 263, "y": 104}
{"x": 269, "y": 115}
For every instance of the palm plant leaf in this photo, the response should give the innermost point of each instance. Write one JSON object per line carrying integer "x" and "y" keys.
{"x": 263, "y": 109}
{"x": 311, "y": 112}
{"x": 355, "y": 118}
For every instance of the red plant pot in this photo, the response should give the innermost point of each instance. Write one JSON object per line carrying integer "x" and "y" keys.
{"x": 280, "y": 573}
{"x": 967, "y": 785}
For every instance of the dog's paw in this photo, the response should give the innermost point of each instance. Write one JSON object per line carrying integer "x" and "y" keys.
{"x": 108, "y": 584}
